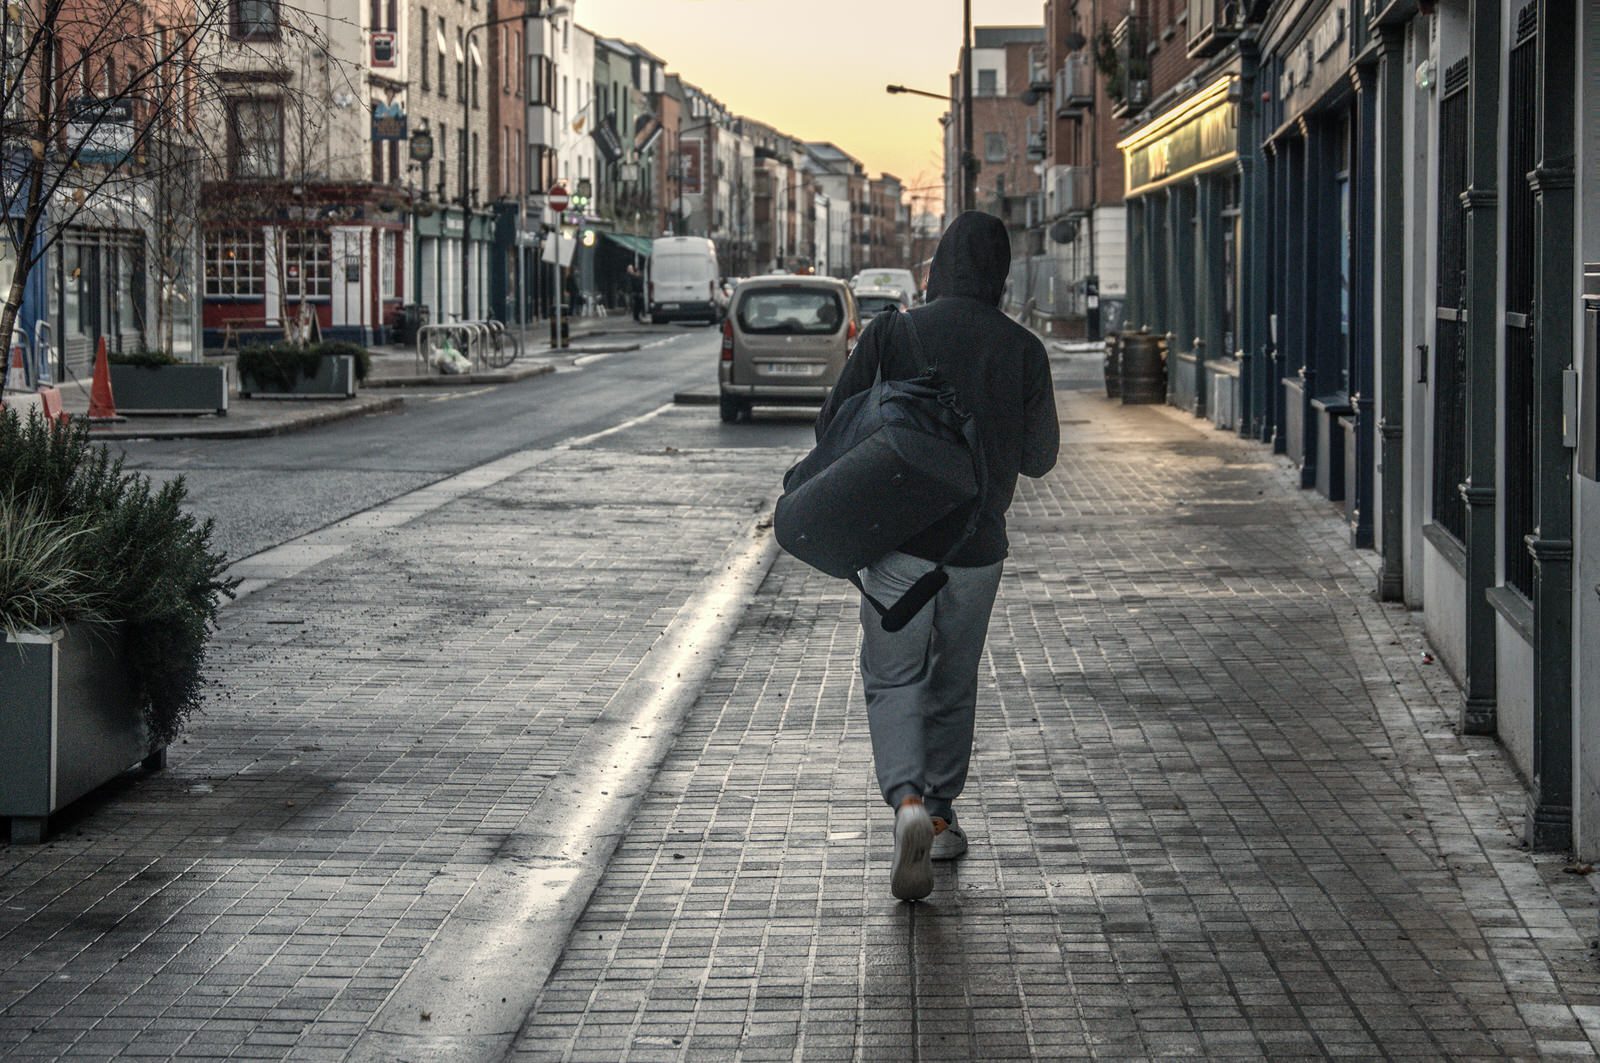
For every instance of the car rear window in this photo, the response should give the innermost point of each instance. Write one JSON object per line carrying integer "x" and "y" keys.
{"x": 873, "y": 304}
{"x": 790, "y": 311}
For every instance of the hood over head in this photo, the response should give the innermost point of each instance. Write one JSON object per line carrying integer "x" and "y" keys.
{"x": 973, "y": 259}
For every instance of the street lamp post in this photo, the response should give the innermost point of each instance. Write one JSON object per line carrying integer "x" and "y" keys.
{"x": 969, "y": 175}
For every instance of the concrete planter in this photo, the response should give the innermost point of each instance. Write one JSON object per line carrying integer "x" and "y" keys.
{"x": 335, "y": 379}
{"x": 70, "y": 723}
{"x": 173, "y": 389}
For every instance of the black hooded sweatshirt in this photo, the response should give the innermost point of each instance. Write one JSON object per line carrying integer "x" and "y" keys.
{"x": 998, "y": 369}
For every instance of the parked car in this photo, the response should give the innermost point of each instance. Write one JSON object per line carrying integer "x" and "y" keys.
{"x": 902, "y": 279}
{"x": 870, "y": 302}
{"x": 784, "y": 342}
{"x": 681, "y": 280}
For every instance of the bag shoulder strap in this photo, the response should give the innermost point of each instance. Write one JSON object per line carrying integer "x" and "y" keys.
{"x": 917, "y": 351}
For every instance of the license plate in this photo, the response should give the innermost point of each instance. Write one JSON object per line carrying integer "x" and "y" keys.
{"x": 790, "y": 369}
{"x": 669, "y": 306}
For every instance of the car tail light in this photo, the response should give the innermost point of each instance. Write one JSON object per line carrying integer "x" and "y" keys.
{"x": 850, "y": 333}
{"x": 727, "y": 340}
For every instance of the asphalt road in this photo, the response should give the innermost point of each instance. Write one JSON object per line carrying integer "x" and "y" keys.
{"x": 263, "y": 492}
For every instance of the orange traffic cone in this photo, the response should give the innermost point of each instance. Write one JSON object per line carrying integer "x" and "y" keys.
{"x": 16, "y": 375}
{"x": 102, "y": 405}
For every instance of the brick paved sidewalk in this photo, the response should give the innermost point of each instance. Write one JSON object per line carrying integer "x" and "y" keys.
{"x": 385, "y": 720}
{"x": 1217, "y": 811}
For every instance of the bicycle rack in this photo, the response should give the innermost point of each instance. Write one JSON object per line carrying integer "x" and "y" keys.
{"x": 475, "y": 339}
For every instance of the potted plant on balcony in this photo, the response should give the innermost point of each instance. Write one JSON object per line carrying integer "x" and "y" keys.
{"x": 329, "y": 369}
{"x": 108, "y": 595}
{"x": 155, "y": 382}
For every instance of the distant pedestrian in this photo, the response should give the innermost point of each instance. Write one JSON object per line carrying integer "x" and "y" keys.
{"x": 574, "y": 294}
{"x": 922, "y": 682}
{"x": 636, "y": 291}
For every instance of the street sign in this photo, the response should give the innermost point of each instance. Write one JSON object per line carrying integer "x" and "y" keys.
{"x": 558, "y": 198}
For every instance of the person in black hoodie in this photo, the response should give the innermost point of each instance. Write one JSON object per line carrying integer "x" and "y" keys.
{"x": 921, "y": 682}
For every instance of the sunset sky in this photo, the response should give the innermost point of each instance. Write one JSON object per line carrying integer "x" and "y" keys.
{"x": 816, "y": 68}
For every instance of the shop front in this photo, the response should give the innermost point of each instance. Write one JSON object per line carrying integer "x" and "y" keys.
{"x": 331, "y": 263}
{"x": 1186, "y": 231}
{"x": 1320, "y": 172}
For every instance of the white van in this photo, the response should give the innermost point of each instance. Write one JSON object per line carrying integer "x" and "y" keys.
{"x": 681, "y": 280}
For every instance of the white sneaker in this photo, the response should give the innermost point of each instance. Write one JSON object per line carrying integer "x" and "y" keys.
{"x": 911, "y": 874}
{"x": 950, "y": 843}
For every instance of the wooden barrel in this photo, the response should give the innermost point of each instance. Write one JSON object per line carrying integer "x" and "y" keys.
{"x": 1114, "y": 365}
{"x": 1144, "y": 369}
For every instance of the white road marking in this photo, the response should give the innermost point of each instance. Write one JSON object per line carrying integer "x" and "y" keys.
{"x": 614, "y": 429}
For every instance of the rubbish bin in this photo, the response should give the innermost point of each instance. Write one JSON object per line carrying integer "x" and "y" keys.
{"x": 1144, "y": 368}
{"x": 413, "y": 316}
{"x": 1113, "y": 365}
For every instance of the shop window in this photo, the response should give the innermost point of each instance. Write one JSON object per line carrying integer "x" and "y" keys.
{"x": 129, "y": 295}
{"x": 388, "y": 243}
{"x": 77, "y": 265}
{"x": 1231, "y": 240}
{"x": 1342, "y": 191}
{"x": 307, "y": 264}
{"x": 236, "y": 264}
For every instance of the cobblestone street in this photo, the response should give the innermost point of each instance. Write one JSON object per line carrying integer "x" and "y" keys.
{"x": 1217, "y": 808}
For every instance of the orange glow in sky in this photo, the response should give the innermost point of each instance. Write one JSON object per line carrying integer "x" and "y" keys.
{"x": 816, "y": 68}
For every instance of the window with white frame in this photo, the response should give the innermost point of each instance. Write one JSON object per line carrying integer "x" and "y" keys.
{"x": 307, "y": 264}
{"x": 236, "y": 264}
{"x": 388, "y": 242}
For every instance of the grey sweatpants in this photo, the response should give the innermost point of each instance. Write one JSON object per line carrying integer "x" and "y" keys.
{"x": 922, "y": 681}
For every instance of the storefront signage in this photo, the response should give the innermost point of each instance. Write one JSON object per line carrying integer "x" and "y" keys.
{"x": 1206, "y": 137}
{"x": 101, "y": 131}
{"x": 388, "y": 122}
{"x": 1302, "y": 61}
{"x": 606, "y": 139}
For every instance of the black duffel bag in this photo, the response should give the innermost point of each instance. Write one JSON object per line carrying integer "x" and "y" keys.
{"x": 895, "y": 458}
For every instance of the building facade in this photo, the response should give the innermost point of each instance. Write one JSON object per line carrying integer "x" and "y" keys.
{"x": 304, "y": 212}
{"x": 1410, "y": 195}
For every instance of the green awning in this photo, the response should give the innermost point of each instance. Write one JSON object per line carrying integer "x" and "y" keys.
{"x": 639, "y": 245}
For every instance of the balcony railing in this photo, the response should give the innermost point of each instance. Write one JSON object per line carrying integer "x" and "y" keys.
{"x": 1074, "y": 86}
{"x": 1038, "y": 141}
{"x": 1213, "y": 24}
{"x": 1039, "y": 69}
{"x": 1067, "y": 191}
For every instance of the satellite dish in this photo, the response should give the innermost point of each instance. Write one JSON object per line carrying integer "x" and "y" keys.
{"x": 1073, "y": 41}
{"x": 1064, "y": 231}
{"x": 1031, "y": 97}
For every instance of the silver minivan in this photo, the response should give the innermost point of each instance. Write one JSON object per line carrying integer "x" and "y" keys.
{"x": 784, "y": 342}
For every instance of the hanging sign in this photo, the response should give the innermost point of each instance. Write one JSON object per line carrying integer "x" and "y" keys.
{"x": 388, "y": 122}
{"x": 691, "y": 156}
{"x": 607, "y": 140}
{"x": 100, "y": 130}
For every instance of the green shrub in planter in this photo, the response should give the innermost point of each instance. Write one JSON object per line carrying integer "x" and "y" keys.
{"x": 282, "y": 365}
{"x": 143, "y": 358}
{"x": 88, "y": 542}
